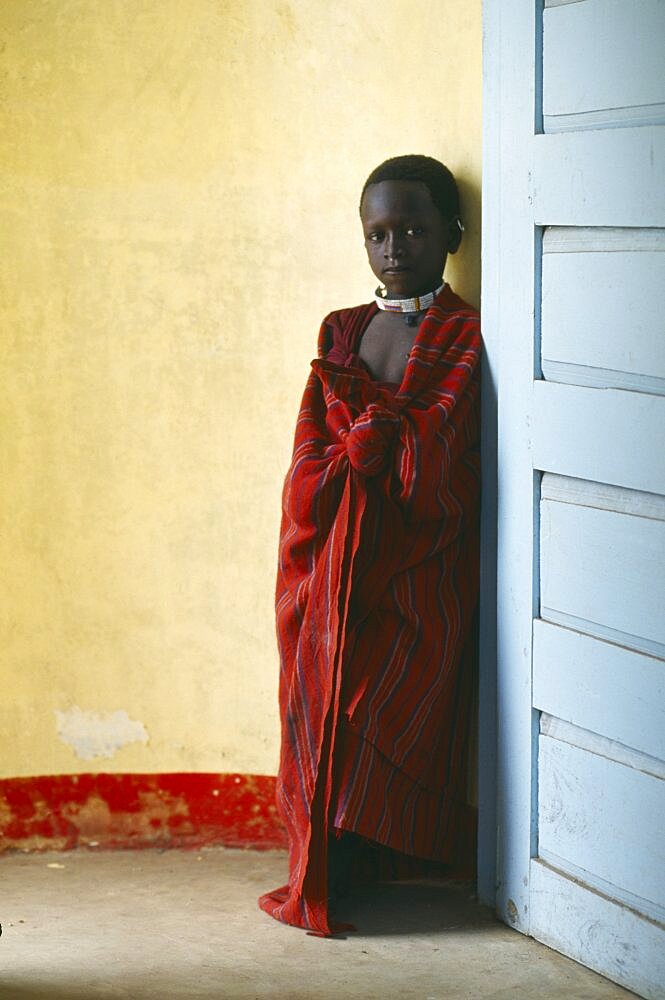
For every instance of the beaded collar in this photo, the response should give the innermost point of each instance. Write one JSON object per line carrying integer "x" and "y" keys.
{"x": 417, "y": 304}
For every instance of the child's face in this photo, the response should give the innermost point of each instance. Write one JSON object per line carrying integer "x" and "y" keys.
{"x": 406, "y": 239}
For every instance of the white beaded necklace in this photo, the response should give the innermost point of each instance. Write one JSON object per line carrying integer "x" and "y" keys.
{"x": 415, "y": 305}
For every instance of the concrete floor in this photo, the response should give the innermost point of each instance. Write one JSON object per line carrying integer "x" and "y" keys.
{"x": 164, "y": 926}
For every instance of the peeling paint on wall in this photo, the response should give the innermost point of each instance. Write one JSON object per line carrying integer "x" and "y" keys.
{"x": 98, "y": 734}
{"x": 59, "y": 812}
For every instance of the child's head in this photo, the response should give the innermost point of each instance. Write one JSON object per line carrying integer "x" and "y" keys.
{"x": 409, "y": 209}
{"x": 436, "y": 177}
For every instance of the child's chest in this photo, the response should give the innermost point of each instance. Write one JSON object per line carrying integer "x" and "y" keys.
{"x": 386, "y": 344}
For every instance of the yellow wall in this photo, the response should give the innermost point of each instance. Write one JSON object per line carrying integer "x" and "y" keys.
{"x": 180, "y": 182}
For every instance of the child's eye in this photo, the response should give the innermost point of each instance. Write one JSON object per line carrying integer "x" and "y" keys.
{"x": 374, "y": 237}
{"x": 415, "y": 231}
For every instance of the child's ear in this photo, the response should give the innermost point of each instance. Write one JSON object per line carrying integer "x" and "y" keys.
{"x": 455, "y": 230}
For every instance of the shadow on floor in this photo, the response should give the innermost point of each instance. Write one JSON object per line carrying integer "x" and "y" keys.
{"x": 401, "y": 908}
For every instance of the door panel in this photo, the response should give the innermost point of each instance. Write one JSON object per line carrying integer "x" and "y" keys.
{"x": 600, "y": 686}
{"x": 603, "y": 64}
{"x": 612, "y": 177}
{"x": 611, "y": 284}
{"x": 604, "y": 818}
{"x": 602, "y": 435}
{"x": 595, "y": 565}
{"x": 589, "y": 926}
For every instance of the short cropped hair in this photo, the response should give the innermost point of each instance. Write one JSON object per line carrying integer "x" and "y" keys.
{"x": 438, "y": 180}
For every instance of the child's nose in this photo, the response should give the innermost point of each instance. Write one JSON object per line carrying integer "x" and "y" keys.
{"x": 393, "y": 247}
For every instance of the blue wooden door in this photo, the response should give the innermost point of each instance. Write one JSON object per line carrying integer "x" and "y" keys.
{"x": 574, "y": 322}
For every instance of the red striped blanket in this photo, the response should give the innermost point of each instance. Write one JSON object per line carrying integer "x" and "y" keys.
{"x": 376, "y": 590}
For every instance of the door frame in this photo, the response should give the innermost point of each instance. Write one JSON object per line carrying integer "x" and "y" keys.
{"x": 508, "y": 725}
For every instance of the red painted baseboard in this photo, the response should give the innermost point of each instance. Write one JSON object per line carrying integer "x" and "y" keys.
{"x": 139, "y": 810}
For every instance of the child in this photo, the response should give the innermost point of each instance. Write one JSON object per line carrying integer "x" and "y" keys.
{"x": 378, "y": 579}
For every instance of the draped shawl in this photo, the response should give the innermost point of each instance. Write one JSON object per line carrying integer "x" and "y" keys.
{"x": 376, "y": 589}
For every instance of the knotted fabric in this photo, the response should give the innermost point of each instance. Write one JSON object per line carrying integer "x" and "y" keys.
{"x": 370, "y": 437}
